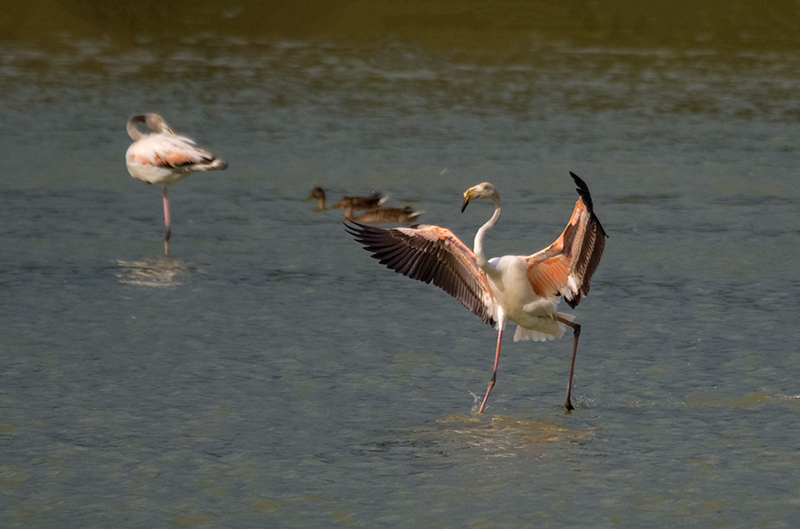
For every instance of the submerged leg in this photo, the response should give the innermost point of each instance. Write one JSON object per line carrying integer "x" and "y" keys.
{"x": 576, "y": 333}
{"x": 166, "y": 221}
{"x": 494, "y": 374}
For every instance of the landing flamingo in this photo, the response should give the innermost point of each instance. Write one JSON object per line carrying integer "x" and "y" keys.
{"x": 518, "y": 288}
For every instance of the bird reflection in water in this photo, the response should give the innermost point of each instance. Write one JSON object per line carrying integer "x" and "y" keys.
{"x": 152, "y": 272}
{"x": 502, "y": 436}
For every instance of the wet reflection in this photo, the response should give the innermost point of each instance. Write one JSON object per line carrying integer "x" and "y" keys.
{"x": 152, "y": 272}
{"x": 501, "y": 436}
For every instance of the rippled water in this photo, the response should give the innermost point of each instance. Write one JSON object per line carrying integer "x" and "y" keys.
{"x": 269, "y": 373}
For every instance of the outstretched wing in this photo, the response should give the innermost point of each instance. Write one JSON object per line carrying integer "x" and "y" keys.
{"x": 566, "y": 266}
{"x": 431, "y": 253}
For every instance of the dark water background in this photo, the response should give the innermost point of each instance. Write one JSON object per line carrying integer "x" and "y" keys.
{"x": 271, "y": 374}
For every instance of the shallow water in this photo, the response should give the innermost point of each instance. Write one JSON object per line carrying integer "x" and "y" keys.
{"x": 270, "y": 373}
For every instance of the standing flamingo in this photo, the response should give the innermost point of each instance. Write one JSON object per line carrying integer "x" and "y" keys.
{"x": 518, "y": 288}
{"x": 163, "y": 157}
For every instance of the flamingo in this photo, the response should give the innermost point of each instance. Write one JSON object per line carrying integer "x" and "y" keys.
{"x": 523, "y": 289}
{"x": 356, "y": 202}
{"x": 163, "y": 157}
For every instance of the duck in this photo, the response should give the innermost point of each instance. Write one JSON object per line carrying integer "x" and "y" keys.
{"x": 356, "y": 202}
{"x": 373, "y": 201}
{"x": 384, "y": 214}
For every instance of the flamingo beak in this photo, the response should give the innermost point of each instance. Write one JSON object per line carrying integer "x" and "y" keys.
{"x": 467, "y": 199}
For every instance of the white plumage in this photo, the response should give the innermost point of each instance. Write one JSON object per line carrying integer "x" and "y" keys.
{"x": 163, "y": 157}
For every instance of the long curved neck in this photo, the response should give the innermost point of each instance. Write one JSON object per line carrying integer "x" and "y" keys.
{"x": 480, "y": 257}
{"x": 133, "y": 132}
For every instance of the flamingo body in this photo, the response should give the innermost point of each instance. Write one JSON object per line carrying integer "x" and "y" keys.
{"x": 163, "y": 157}
{"x": 534, "y": 315}
{"x": 166, "y": 159}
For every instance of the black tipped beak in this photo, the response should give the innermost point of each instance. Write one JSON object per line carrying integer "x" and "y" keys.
{"x": 464, "y": 203}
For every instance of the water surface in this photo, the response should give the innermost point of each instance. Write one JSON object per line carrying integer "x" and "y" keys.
{"x": 269, "y": 373}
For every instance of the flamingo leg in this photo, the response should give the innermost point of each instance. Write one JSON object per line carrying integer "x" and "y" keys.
{"x": 166, "y": 222}
{"x": 576, "y": 333}
{"x": 494, "y": 373}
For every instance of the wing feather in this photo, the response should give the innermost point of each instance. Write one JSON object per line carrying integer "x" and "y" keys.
{"x": 431, "y": 253}
{"x": 169, "y": 151}
{"x": 566, "y": 267}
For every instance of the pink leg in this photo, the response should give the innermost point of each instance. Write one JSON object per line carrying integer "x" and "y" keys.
{"x": 494, "y": 374}
{"x": 576, "y": 333}
{"x": 166, "y": 221}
